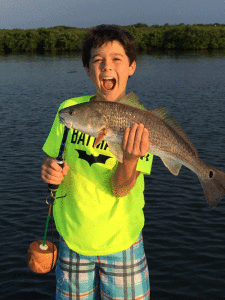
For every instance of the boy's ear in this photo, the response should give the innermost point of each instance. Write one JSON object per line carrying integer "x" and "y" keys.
{"x": 132, "y": 68}
{"x": 88, "y": 71}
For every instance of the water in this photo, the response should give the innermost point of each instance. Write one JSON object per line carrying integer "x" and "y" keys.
{"x": 183, "y": 237}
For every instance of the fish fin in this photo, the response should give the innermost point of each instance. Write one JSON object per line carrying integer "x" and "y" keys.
{"x": 173, "y": 166}
{"x": 213, "y": 186}
{"x": 132, "y": 100}
{"x": 116, "y": 150}
{"x": 102, "y": 133}
{"x": 169, "y": 119}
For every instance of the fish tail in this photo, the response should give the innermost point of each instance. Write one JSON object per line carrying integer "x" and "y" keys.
{"x": 213, "y": 185}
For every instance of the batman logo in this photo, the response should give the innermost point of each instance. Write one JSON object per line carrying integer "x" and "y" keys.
{"x": 91, "y": 159}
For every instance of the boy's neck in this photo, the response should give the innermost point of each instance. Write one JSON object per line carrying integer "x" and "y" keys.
{"x": 96, "y": 98}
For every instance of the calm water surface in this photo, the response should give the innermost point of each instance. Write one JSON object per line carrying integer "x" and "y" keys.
{"x": 183, "y": 237}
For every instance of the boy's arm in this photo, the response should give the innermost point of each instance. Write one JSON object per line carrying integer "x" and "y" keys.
{"x": 135, "y": 144}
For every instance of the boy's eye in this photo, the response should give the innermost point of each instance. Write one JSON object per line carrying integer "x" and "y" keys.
{"x": 99, "y": 59}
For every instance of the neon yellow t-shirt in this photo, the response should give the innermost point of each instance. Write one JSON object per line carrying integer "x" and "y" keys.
{"x": 90, "y": 218}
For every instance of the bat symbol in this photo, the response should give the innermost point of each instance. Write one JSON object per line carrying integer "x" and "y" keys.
{"x": 91, "y": 159}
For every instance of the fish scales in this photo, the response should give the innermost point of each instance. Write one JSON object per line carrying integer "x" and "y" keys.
{"x": 120, "y": 116}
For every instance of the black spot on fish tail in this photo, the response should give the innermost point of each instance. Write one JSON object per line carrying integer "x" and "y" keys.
{"x": 211, "y": 174}
{"x": 213, "y": 186}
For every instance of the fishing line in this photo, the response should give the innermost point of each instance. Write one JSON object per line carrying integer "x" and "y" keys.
{"x": 39, "y": 253}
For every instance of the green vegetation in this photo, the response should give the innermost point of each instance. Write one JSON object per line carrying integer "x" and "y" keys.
{"x": 69, "y": 39}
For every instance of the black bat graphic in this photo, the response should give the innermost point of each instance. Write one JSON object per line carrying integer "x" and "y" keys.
{"x": 91, "y": 159}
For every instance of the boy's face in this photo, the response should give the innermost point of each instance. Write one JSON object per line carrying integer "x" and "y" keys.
{"x": 109, "y": 69}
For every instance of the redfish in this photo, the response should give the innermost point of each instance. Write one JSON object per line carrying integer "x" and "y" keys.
{"x": 107, "y": 120}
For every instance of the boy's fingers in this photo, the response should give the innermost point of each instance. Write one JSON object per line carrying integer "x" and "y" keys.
{"x": 52, "y": 177}
{"x": 125, "y": 138}
{"x": 138, "y": 138}
{"x": 130, "y": 141}
{"x": 144, "y": 147}
{"x": 51, "y": 168}
{"x": 56, "y": 175}
{"x": 53, "y": 164}
{"x": 53, "y": 181}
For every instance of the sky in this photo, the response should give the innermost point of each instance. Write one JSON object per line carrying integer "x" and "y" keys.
{"x": 26, "y": 14}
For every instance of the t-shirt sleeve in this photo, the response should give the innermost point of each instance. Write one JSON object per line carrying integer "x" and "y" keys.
{"x": 52, "y": 144}
{"x": 144, "y": 164}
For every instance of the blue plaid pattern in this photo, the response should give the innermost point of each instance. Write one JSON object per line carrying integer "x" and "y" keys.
{"x": 118, "y": 276}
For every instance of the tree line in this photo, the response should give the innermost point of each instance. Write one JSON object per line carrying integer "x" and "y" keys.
{"x": 69, "y": 39}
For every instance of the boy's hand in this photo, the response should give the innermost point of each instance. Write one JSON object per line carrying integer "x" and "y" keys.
{"x": 51, "y": 172}
{"x": 135, "y": 142}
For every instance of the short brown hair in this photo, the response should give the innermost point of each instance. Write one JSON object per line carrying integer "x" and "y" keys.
{"x": 99, "y": 35}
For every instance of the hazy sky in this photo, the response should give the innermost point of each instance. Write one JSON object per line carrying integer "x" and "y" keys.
{"x": 87, "y": 13}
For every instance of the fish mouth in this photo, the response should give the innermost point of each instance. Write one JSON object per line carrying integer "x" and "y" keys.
{"x": 64, "y": 122}
{"x": 61, "y": 120}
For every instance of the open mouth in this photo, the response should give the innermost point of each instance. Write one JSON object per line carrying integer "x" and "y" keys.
{"x": 109, "y": 83}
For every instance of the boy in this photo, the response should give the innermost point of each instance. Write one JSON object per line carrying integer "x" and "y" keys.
{"x": 100, "y": 219}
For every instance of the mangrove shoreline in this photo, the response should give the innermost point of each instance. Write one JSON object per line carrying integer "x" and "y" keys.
{"x": 69, "y": 39}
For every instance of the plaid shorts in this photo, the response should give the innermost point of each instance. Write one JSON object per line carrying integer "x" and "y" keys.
{"x": 118, "y": 276}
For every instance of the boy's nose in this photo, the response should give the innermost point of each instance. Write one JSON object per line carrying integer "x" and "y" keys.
{"x": 106, "y": 65}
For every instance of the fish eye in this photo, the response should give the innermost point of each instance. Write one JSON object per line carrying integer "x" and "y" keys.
{"x": 71, "y": 113}
{"x": 210, "y": 174}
